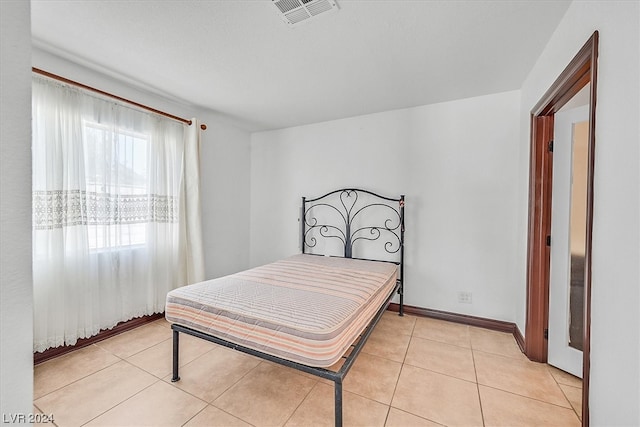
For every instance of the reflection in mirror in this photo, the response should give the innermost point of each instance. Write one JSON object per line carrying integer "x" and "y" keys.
{"x": 578, "y": 226}
{"x": 578, "y": 220}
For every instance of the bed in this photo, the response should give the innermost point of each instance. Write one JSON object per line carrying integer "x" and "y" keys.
{"x": 312, "y": 311}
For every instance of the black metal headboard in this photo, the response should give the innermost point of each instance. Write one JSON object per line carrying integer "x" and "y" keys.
{"x": 339, "y": 209}
{"x": 352, "y": 215}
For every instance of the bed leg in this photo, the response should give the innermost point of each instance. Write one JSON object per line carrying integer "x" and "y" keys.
{"x": 176, "y": 347}
{"x": 338, "y": 403}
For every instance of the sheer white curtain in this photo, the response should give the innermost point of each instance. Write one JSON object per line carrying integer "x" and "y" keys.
{"x": 190, "y": 201}
{"x": 109, "y": 231}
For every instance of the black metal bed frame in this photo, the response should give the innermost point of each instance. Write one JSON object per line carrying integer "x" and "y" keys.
{"x": 348, "y": 200}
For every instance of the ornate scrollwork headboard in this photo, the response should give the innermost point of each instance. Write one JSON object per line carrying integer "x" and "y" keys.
{"x": 353, "y": 215}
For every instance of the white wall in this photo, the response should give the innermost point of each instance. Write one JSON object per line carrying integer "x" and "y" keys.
{"x": 224, "y": 164}
{"x": 225, "y": 198}
{"x": 615, "y": 318}
{"x": 16, "y": 285}
{"x": 456, "y": 162}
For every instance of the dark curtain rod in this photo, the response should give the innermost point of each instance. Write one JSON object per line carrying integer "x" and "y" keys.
{"x": 119, "y": 98}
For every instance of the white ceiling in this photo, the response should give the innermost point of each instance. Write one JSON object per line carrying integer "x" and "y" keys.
{"x": 240, "y": 59}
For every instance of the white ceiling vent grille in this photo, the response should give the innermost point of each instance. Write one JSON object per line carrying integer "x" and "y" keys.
{"x": 296, "y": 11}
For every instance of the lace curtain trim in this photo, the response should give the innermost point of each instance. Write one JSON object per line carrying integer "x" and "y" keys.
{"x": 65, "y": 208}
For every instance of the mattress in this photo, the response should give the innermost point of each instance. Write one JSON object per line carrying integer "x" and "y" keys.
{"x": 308, "y": 309}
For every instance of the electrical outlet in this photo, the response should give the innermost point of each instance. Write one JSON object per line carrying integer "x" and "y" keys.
{"x": 464, "y": 297}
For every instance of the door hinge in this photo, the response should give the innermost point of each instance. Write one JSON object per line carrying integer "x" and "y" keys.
{"x": 550, "y": 146}
{"x": 548, "y": 240}
{"x": 546, "y": 334}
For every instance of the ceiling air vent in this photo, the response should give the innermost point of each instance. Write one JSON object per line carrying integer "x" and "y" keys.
{"x": 296, "y": 11}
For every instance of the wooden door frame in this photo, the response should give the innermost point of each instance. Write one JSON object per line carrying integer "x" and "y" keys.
{"x": 581, "y": 70}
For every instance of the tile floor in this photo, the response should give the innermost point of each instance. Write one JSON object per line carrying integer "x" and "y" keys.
{"x": 413, "y": 372}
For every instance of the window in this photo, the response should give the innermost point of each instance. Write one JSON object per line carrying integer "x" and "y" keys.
{"x": 117, "y": 185}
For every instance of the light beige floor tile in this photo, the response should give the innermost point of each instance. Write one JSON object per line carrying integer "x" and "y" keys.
{"x": 398, "y": 418}
{"x": 506, "y": 409}
{"x": 266, "y": 396}
{"x": 439, "y": 330}
{"x": 318, "y": 409}
{"x": 388, "y": 344}
{"x": 518, "y": 376}
{"x": 94, "y": 385}
{"x": 131, "y": 342}
{"x": 163, "y": 322}
{"x": 335, "y": 367}
{"x": 440, "y": 357}
{"x": 214, "y": 417}
{"x": 211, "y": 374}
{"x": 373, "y": 377}
{"x": 158, "y": 405}
{"x": 495, "y": 342}
{"x": 392, "y": 322}
{"x": 574, "y": 396}
{"x": 89, "y": 397}
{"x": 158, "y": 360}
{"x": 61, "y": 371}
{"x": 440, "y": 398}
{"x": 565, "y": 378}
